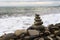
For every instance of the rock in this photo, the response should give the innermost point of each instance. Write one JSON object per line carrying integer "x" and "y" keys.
{"x": 50, "y": 38}
{"x": 40, "y": 28}
{"x": 54, "y": 38}
{"x": 36, "y": 39}
{"x": 58, "y": 37}
{"x": 33, "y": 32}
{"x": 58, "y": 33}
{"x": 27, "y": 38}
{"x": 47, "y": 32}
{"x": 11, "y": 39}
{"x": 52, "y": 28}
{"x": 57, "y": 25}
{"x": 55, "y": 32}
{"x": 1, "y": 38}
{"x": 19, "y": 39}
{"x": 9, "y": 36}
{"x": 18, "y": 32}
{"x": 46, "y": 38}
{"x": 30, "y": 37}
{"x": 51, "y": 35}
{"x": 41, "y": 38}
{"x": 41, "y": 34}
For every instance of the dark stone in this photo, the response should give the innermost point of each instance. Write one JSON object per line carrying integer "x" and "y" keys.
{"x": 51, "y": 28}
{"x": 46, "y": 38}
{"x": 9, "y": 36}
{"x": 57, "y": 25}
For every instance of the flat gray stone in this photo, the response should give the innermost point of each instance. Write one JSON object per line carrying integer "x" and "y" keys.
{"x": 33, "y": 32}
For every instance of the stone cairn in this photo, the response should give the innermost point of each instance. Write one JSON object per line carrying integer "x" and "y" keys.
{"x": 35, "y": 32}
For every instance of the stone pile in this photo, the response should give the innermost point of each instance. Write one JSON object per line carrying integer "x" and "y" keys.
{"x": 35, "y": 32}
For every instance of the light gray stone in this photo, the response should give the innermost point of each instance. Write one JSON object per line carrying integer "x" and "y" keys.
{"x": 33, "y": 32}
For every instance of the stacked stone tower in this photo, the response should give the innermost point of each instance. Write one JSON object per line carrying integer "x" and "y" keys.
{"x": 38, "y": 20}
{"x": 37, "y": 24}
